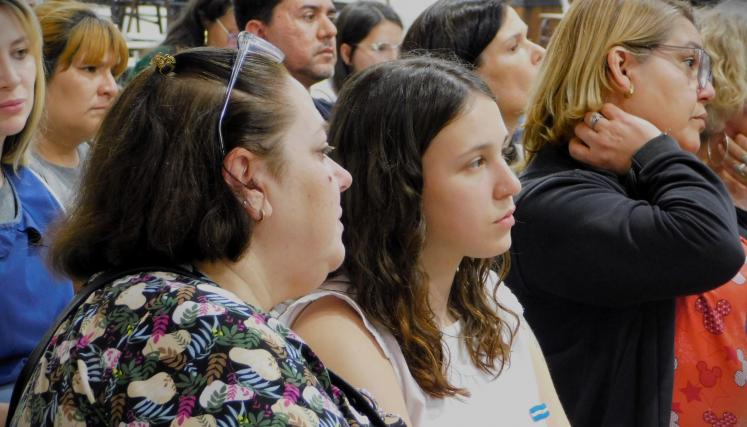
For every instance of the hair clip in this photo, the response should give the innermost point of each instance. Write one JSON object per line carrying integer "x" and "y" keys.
{"x": 164, "y": 62}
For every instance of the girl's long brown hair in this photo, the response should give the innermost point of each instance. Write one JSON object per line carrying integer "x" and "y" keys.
{"x": 385, "y": 119}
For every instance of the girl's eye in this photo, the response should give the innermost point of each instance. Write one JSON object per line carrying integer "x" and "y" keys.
{"x": 328, "y": 150}
{"x": 20, "y": 53}
{"x": 89, "y": 68}
{"x": 690, "y": 62}
{"x": 514, "y": 47}
{"x": 309, "y": 17}
{"x": 477, "y": 162}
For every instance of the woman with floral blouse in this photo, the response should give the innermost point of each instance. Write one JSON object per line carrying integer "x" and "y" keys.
{"x": 234, "y": 200}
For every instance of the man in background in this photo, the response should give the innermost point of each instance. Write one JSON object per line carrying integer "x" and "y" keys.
{"x": 303, "y": 29}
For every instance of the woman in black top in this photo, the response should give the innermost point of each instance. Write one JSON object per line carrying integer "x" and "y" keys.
{"x": 614, "y": 224}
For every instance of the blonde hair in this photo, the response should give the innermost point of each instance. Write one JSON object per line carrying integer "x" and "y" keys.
{"x": 574, "y": 77}
{"x": 724, "y": 31}
{"x": 70, "y": 29}
{"x": 15, "y": 147}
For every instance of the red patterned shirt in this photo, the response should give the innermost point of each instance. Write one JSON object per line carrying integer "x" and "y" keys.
{"x": 710, "y": 348}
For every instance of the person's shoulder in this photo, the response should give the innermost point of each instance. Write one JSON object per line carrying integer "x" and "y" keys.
{"x": 508, "y": 304}
{"x": 331, "y": 317}
{"x": 336, "y": 287}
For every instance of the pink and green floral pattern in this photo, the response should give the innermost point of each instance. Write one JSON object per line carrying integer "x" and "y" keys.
{"x": 164, "y": 349}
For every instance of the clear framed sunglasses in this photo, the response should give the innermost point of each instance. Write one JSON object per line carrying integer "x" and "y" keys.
{"x": 704, "y": 73}
{"x": 383, "y": 47}
{"x": 248, "y": 43}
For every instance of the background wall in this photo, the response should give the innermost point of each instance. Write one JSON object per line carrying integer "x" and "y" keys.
{"x": 529, "y": 10}
{"x": 408, "y": 10}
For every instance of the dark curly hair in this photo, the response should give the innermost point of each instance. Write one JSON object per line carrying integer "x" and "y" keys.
{"x": 386, "y": 118}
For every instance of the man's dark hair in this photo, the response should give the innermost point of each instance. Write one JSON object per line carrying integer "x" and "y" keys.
{"x": 246, "y": 10}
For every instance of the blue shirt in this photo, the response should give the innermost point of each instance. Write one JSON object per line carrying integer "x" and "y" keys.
{"x": 31, "y": 296}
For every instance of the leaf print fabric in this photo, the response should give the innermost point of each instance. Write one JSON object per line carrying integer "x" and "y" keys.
{"x": 164, "y": 349}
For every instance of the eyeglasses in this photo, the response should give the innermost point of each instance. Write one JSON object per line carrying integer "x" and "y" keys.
{"x": 701, "y": 60}
{"x": 383, "y": 47}
{"x": 248, "y": 43}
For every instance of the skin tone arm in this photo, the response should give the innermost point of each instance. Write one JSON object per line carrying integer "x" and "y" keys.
{"x": 545, "y": 386}
{"x": 369, "y": 369}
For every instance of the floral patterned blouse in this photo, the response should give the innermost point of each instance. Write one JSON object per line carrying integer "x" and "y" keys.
{"x": 164, "y": 349}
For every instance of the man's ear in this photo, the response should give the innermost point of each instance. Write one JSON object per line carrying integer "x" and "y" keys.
{"x": 256, "y": 27}
{"x": 345, "y": 53}
{"x": 247, "y": 174}
{"x": 620, "y": 63}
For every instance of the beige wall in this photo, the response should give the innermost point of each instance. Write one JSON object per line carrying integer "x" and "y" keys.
{"x": 408, "y": 10}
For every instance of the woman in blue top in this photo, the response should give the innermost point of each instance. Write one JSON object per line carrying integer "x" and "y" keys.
{"x": 31, "y": 296}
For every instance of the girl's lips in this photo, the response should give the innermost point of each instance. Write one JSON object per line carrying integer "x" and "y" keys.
{"x": 12, "y": 103}
{"x": 507, "y": 219}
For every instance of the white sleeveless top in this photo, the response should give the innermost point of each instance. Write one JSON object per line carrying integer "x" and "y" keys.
{"x": 511, "y": 399}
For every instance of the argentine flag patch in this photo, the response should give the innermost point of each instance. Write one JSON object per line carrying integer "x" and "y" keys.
{"x": 539, "y": 412}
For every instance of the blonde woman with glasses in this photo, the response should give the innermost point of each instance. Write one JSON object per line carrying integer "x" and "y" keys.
{"x": 617, "y": 217}
{"x": 232, "y": 206}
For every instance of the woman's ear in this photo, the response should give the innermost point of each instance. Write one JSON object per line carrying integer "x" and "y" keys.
{"x": 345, "y": 54}
{"x": 620, "y": 63}
{"x": 246, "y": 174}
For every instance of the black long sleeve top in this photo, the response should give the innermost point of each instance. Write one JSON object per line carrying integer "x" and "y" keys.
{"x": 597, "y": 260}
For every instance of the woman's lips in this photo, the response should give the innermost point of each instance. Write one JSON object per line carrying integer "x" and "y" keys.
{"x": 13, "y": 106}
{"x": 508, "y": 219}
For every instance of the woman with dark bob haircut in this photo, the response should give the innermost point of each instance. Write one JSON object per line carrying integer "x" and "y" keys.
{"x": 418, "y": 301}
{"x": 488, "y": 35}
{"x": 202, "y": 208}
{"x": 368, "y": 32}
